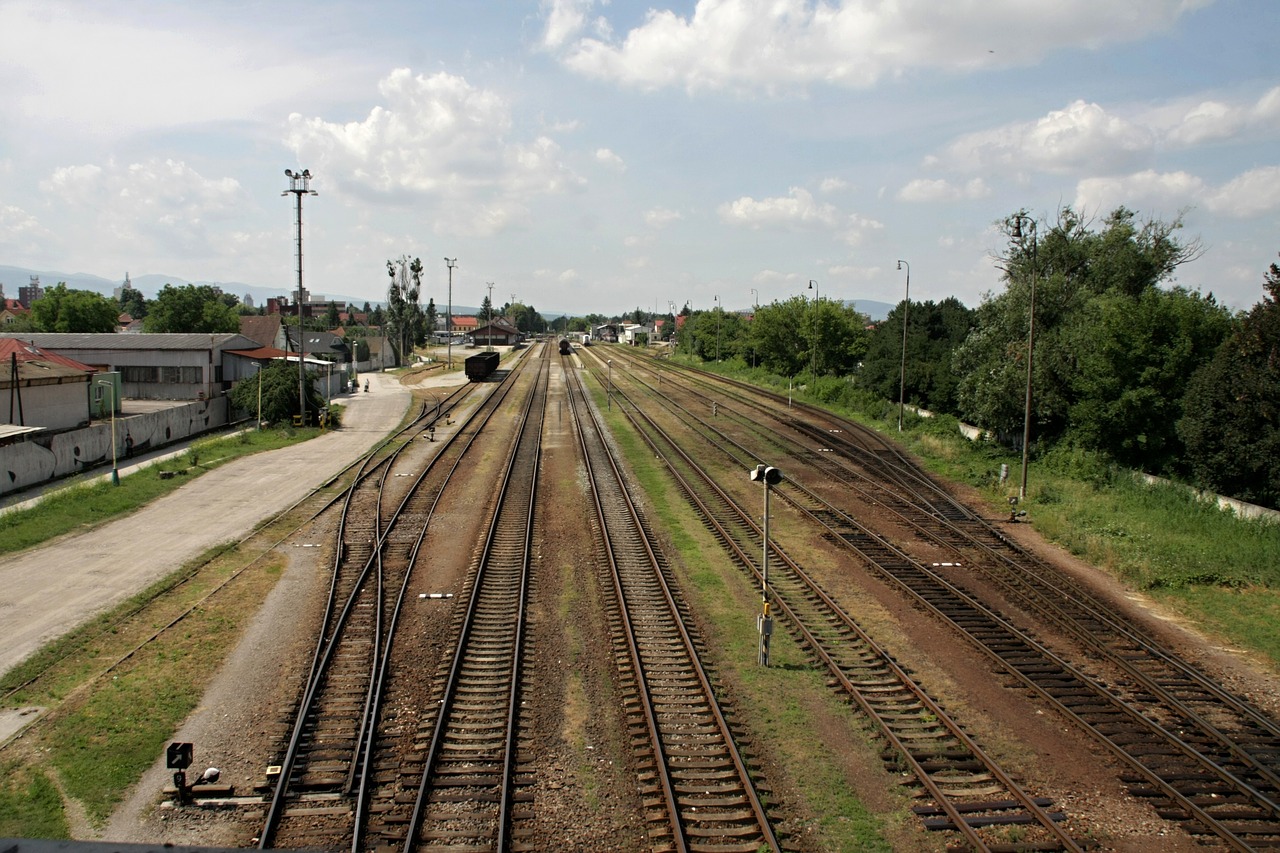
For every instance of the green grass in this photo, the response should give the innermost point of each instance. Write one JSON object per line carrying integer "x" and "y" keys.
{"x": 81, "y": 505}
{"x": 30, "y": 806}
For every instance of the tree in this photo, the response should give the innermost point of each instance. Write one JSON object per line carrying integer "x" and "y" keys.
{"x": 132, "y": 303}
{"x": 405, "y": 320}
{"x": 1231, "y": 420}
{"x": 279, "y": 384}
{"x": 191, "y": 308}
{"x": 65, "y": 310}
{"x": 331, "y": 318}
{"x": 1135, "y": 356}
{"x": 934, "y": 330}
{"x": 1072, "y": 267}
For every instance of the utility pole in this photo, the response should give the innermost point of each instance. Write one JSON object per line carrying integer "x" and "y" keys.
{"x": 300, "y": 185}
{"x": 448, "y": 317}
{"x": 489, "y": 320}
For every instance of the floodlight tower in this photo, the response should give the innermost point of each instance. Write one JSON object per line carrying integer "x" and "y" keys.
{"x": 300, "y": 185}
{"x": 448, "y": 317}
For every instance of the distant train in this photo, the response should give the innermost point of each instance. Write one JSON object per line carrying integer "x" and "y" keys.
{"x": 479, "y": 366}
{"x": 565, "y": 346}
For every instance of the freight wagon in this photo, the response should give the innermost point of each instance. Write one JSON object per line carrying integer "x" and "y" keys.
{"x": 479, "y": 366}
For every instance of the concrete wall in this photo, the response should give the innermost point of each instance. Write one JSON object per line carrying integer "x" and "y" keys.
{"x": 46, "y": 458}
{"x": 50, "y": 405}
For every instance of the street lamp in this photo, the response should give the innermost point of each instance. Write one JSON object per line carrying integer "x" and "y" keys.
{"x": 608, "y": 397}
{"x": 300, "y": 185}
{"x": 109, "y": 385}
{"x": 768, "y": 476}
{"x": 488, "y": 340}
{"x": 1017, "y": 221}
{"x": 755, "y": 298}
{"x": 717, "y": 300}
{"x": 813, "y": 285}
{"x": 448, "y": 316}
{"x": 902, "y": 373}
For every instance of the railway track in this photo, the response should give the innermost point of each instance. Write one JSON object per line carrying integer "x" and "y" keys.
{"x": 326, "y": 779}
{"x": 469, "y": 790}
{"x": 698, "y": 792}
{"x": 1205, "y": 758}
{"x": 967, "y": 791}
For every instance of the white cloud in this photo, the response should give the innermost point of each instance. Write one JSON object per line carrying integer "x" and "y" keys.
{"x": 160, "y": 207}
{"x": 20, "y": 232}
{"x": 1249, "y": 194}
{"x": 437, "y": 139}
{"x": 832, "y": 185}
{"x": 796, "y": 211}
{"x": 1083, "y": 135}
{"x": 109, "y": 73}
{"x": 767, "y": 44}
{"x": 660, "y": 217}
{"x": 941, "y": 190}
{"x": 1208, "y": 121}
{"x": 606, "y": 157}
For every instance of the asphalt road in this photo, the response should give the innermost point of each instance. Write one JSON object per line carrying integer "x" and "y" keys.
{"x": 50, "y": 590}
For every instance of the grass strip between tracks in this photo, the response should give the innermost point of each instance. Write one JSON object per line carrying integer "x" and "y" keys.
{"x": 782, "y": 705}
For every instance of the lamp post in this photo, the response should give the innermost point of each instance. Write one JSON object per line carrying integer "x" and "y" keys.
{"x": 300, "y": 185}
{"x": 488, "y": 340}
{"x": 813, "y": 285}
{"x": 1017, "y": 221}
{"x": 115, "y": 468}
{"x": 767, "y": 476}
{"x": 755, "y": 305}
{"x": 259, "y": 395}
{"x": 902, "y": 371}
{"x": 717, "y": 301}
{"x": 448, "y": 316}
{"x": 608, "y": 397}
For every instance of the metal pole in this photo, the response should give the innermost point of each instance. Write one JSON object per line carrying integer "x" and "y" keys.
{"x": 1031, "y": 339}
{"x": 813, "y": 285}
{"x": 902, "y": 373}
{"x": 300, "y": 185}
{"x": 609, "y": 395}
{"x": 717, "y": 329}
{"x": 259, "y": 395}
{"x": 489, "y": 320}
{"x": 115, "y": 468}
{"x": 448, "y": 317}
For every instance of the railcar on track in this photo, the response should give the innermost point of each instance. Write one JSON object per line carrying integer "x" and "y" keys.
{"x": 479, "y": 366}
{"x": 565, "y": 346}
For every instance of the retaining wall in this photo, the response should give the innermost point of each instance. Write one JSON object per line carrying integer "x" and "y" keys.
{"x": 45, "y": 458}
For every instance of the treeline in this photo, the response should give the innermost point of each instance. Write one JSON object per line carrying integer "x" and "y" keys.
{"x": 1126, "y": 364}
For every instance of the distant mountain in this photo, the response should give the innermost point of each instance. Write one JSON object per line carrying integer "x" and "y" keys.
{"x": 148, "y": 284}
{"x": 877, "y": 311}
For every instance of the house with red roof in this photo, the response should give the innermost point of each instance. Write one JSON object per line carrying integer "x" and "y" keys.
{"x": 40, "y": 388}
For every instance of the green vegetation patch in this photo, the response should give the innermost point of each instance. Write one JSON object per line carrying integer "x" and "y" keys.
{"x": 30, "y": 806}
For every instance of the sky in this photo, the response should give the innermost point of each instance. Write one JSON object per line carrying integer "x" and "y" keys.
{"x": 605, "y": 155}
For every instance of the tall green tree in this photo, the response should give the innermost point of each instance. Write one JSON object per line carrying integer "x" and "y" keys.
{"x": 331, "y": 318}
{"x": 934, "y": 330}
{"x": 191, "y": 308}
{"x": 405, "y": 320}
{"x": 133, "y": 303}
{"x": 64, "y": 310}
{"x": 1071, "y": 265}
{"x": 1231, "y": 419}
{"x": 279, "y": 393}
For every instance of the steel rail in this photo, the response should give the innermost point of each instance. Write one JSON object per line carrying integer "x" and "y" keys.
{"x": 945, "y": 801}
{"x": 1191, "y": 753}
{"x": 636, "y": 533}
{"x": 432, "y": 753}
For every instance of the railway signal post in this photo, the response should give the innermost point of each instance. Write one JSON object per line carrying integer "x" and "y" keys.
{"x": 768, "y": 476}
